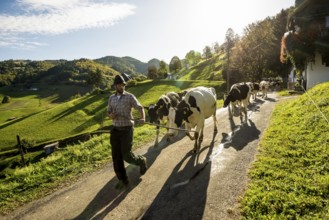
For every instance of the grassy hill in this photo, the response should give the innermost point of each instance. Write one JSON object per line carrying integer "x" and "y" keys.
{"x": 125, "y": 64}
{"x": 24, "y": 101}
{"x": 85, "y": 114}
{"x": 210, "y": 69}
{"x": 290, "y": 177}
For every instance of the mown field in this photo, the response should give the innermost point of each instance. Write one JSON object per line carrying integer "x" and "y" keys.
{"x": 41, "y": 120}
{"x": 290, "y": 176}
{"x": 44, "y": 174}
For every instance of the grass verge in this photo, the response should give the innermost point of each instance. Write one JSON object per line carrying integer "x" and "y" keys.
{"x": 290, "y": 177}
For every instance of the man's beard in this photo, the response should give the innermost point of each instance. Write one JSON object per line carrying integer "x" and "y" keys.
{"x": 120, "y": 91}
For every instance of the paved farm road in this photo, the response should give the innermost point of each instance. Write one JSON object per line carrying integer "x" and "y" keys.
{"x": 178, "y": 185}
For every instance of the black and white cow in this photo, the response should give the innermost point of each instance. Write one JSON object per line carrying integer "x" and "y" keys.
{"x": 198, "y": 104}
{"x": 159, "y": 112}
{"x": 264, "y": 87}
{"x": 239, "y": 94}
{"x": 254, "y": 89}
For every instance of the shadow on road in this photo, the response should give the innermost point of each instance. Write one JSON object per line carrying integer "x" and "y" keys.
{"x": 109, "y": 198}
{"x": 241, "y": 135}
{"x": 184, "y": 194}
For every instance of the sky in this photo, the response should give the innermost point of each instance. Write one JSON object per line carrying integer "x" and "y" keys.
{"x": 142, "y": 29}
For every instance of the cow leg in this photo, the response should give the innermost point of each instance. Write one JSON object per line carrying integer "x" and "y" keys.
{"x": 200, "y": 140}
{"x": 188, "y": 133}
{"x": 231, "y": 111}
{"x": 215, "y": 124}
{"x": 245, "y": 105}
{"x": 168, "y": 136}
{"x": 190, "y": 136}
{"x": 263, "y": 93}
{"x": 196, "y": 136}
{"x": 240, "y": 112}
{"x": 157, "y": 137}
{"x": 249, "y": 96}
{"x": 240, "y": 106}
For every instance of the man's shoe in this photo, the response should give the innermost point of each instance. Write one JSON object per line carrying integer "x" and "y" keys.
{"x": 143, "y": 166}
{"x": 122, "y": 184}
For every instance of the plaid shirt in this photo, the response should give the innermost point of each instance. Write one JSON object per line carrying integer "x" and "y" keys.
{"x": 121, "y": 106}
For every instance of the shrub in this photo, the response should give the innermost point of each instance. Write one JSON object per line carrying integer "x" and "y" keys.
{"x": 131, "y": 83}
{"x": 6, "y": 99}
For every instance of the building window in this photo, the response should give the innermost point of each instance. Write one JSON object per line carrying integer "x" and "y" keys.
{"x": 327, "y": 21}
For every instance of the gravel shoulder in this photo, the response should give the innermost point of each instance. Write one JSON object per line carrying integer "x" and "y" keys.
{"x": 177, "y": 185}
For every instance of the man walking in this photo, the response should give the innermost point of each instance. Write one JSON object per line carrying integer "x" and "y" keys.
{"x": 119, "y": 109}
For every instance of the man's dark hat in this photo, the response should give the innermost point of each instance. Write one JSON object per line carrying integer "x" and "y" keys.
{"x": 118, "y": 80}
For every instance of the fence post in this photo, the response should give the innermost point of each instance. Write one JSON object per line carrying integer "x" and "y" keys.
{"x": 20, "y": 148}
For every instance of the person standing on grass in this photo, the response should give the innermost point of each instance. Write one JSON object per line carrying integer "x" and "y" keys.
{"x": 119, "y": 109}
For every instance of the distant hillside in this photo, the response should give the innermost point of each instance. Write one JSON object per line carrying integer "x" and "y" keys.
{"x": 206, "y": 69}
{"x": 127, "y": 64}
{"x": 80, "y": 72}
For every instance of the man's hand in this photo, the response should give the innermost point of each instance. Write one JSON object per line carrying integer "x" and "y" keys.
{"x": 112, "y": 115}
{"x": 140, "y": 121}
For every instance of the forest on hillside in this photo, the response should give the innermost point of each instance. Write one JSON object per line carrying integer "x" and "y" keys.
{"x": 251, "y": 57}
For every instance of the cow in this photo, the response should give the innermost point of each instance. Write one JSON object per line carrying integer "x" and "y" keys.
{"x": 264, "y": 86}
{"x": 159, "y": 112}
{"x": 198, "y": 104}
{"x": 254, "y": 90}
{"x": 238, "y": 94}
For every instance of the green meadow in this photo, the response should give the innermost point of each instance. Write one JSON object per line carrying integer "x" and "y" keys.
{"x": 40, "y": 120}
{"x": 290, "y": 176}
{"x": 44, "y": 174}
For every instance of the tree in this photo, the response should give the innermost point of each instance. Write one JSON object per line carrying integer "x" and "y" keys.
{"x": 193, "y": 57}
{"x": 229, "y": 42}
{"x": 207, "y": 52}
{"x": 253, "y": 53}
{"x": 216, "y": 47}
{"x": 279, "y": 24}
{"x": 175, "y": 65}
{"x": 163, "y": 69}
{"x": 152, "y": 72}
{"x": 95, "y": 78}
